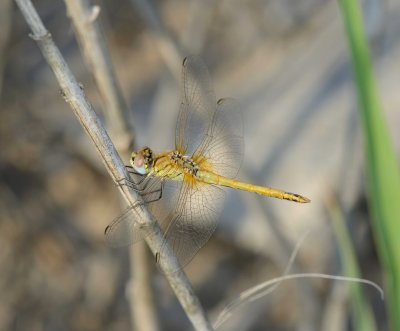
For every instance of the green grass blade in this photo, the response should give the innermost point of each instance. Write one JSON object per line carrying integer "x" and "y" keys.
{"x": 363, "y": 317}
{"x": 383, "y": 171}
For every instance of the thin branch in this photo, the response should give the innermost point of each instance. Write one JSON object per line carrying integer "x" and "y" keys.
{"x": 75, "y": 96}
{"x": 94, "y": 46}
{"x": 140, "y": 289}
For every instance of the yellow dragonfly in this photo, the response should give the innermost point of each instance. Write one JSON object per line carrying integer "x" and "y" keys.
{"x": 208, "y": 154}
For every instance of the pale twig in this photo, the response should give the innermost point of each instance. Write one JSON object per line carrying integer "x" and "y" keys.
{"x": 76, "y": 98}
{"x": 94, "y": 47}
{"x": 140, "y": 289}
{"x": 238, "y": 302}
{"x": 263, "y": 289}
{"x": 91, "y": 39}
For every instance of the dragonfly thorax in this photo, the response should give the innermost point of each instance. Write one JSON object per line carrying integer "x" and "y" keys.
{"x": 185, "y": 162}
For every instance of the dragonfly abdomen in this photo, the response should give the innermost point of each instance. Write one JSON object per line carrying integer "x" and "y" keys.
{"x": 212, "y": 178}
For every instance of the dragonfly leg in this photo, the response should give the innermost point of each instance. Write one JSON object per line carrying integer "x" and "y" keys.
{"x": 148, "y": 201}
{"x": 160, "y": 191}
{"x": 131, "y": 170}
{"x": 132, "y": 184}
{"x": 144, "y": 186}
{"x": 142, "y": 190}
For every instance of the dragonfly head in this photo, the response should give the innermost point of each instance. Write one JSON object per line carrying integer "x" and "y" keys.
{"x": 142, "y": 161}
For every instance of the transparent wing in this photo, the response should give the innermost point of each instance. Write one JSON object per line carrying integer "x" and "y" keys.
{"x": 194, "y": 220}
{"x": 197, "y": 106}
{"x": 124, "y": 230}
{"x": 221, "y": 151}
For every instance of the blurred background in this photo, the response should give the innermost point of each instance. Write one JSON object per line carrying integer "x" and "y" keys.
{"x": 288, "y": 64}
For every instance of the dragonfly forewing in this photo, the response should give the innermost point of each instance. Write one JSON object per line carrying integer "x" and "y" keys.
{"x": 197, "y": 106}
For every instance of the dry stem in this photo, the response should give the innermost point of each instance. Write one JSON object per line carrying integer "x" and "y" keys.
{"x": 94, "y": 46}
{"x": 91, "y": 39}
{"x": 75, "y": 96}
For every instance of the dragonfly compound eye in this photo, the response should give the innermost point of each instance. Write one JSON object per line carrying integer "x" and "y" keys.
{"x": 148, "y": 157}
{"x": 138, "y": 163}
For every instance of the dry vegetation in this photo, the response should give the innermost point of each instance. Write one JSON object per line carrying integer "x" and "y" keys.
{"x": 287, "y": 65}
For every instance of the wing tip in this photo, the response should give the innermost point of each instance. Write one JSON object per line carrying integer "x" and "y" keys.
{"x": 107, "y": 229}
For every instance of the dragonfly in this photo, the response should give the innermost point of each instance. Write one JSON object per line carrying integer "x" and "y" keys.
{"x": 182, "y": 187}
